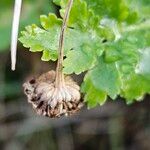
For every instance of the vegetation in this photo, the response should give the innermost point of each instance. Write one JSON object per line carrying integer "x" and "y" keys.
{"x": 112, "y": 126}
{"x": 108, "y": 41}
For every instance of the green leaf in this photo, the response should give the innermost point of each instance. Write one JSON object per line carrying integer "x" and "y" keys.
{"x": 50, "y": 22}
{"x": 93, "y": 95}
{"x": 134, "y": 88}
{"x": 134, "y": 79}
{"x": 105, "y": 77}
{"x": 38, "y": 39}
{"x": 138, "y": 85}
{"x": 118, "y": 9}
{"x": 83, "y": 38}
{"x": 57, "y": 2}
{"x": 82, "y": 59}
{"x": 77, "y": 19}
{"x": 109, "y": 41}
{"x": 49, "y": 55}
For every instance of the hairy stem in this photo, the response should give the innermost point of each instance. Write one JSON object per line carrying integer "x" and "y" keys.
{"x": 59, "y": 70}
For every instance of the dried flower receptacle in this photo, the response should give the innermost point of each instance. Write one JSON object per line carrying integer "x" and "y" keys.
{"x": 50, "y": 101}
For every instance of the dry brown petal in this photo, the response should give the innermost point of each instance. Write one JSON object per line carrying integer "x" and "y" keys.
{"x": 50, "y": 101}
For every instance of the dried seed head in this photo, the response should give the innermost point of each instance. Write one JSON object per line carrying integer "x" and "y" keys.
{"x": 50, "y": 101}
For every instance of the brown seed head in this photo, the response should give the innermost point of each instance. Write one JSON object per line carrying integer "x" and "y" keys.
{"x": 50, "y": 101}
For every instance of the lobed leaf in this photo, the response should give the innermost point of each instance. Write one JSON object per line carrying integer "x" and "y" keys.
{"x": 108, "y": 40}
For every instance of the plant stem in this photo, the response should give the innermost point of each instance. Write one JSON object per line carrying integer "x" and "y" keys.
{"x": 59, "y": 81}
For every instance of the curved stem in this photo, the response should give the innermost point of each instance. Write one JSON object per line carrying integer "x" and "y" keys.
{"x": 59, "y": 81}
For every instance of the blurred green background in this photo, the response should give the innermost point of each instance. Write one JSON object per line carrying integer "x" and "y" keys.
{"x": 114, "y": 126}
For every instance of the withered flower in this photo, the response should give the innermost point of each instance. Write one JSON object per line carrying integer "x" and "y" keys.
{"x": 53, "y": 94}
